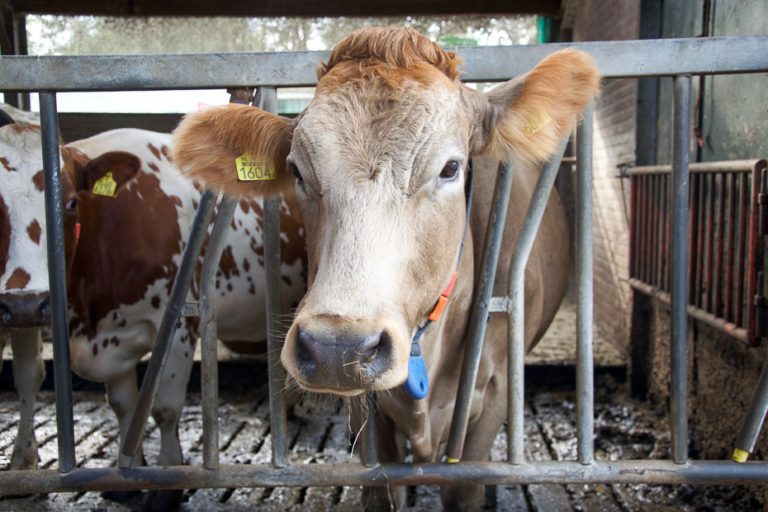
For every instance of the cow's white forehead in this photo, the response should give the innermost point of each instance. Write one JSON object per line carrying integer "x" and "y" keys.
{"x": 403, "y": 136}
{"x": 20, "y": 163}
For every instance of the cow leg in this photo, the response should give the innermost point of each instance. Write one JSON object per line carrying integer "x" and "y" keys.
{"x": 122, "y": 396}
{"x": 28, "y": 375}
{"x": 477, "y": 447}
{"x": 391, "y": 448}
{"x": 166, "y": 411}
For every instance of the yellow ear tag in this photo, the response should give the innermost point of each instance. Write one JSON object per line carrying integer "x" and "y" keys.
{"x": 251, "y": 168}
{"x": 536, "y": 123}
{"x": 105, "y": 186}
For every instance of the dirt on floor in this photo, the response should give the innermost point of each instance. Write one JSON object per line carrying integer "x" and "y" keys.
{"x": 624, "y": 429}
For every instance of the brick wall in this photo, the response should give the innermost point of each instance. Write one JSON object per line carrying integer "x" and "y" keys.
{"x": 614, "y": 144}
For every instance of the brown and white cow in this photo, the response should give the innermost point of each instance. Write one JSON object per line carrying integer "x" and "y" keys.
{"x": 127, "y": 215}
{"x": 23, "y": 278}
{"x": 379, "y": 160}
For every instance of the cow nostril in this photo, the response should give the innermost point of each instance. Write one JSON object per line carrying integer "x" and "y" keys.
{"x": 45, "y": 309}
{"x": 304, "y": 353}
{"x": 5, "y": 315}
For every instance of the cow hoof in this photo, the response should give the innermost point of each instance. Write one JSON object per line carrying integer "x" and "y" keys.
{"x": 159, "y": 501}
{"x": 121, "y": 496}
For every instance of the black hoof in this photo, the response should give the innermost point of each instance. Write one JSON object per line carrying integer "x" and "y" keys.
{"x": 161, "y": 501}
{"x": 121, "y": 496}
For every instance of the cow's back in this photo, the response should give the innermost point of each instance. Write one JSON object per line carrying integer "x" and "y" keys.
{"x": 123, "y": 271}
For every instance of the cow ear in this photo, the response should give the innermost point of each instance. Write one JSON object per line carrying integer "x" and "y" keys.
{"x": 528, "y": 117}
{"x": 235, "y": 149}
{"x": 104, "y": 175}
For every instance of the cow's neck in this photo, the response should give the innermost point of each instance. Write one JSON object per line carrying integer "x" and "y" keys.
{"x": 426, "y": 422}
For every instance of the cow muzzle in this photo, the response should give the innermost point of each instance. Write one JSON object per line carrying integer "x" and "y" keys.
{"x": 345, "y": 363}
{"x": 24, "y": 310}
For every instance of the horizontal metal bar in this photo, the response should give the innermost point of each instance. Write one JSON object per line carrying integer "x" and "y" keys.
{"x": 312, "y": 475}
{"x": 726, "y": 166}
{"x": 649, "y": 57}
{"x": 709, "y": 319}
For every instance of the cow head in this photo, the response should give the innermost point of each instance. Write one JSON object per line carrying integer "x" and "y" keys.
{"x": 378, "y": 163}
{"x": 23, "y": 251}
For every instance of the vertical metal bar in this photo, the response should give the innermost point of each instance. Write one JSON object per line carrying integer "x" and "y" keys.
{"x": 209, "y": 367}
{"x": 20, "y": 48}
{"x": 633, "y": 185}
{"x": 754, "y": 254}
{"x": 742, "y": 254}
{"x": 370, "y": 455}
{"x": 516, "y": 292}
{"x": 659, "y": 239}
{"x": 678, "y": 308}
{"x": 646, "y": 227}
{"x": 584, "y": 281}
{"x": 753, "y": 422}
{"x": 698, "y": 260}
{"x": 732, "y": 198}
{"x": 167, "y": 329}
{"x": 479, "y": 316}
{"x": 710, "y": 251}
{"x": 54, "y": 229}
{"x": 655, "y": 229}
{"x": 693, "y": 216}
{"x": 267, "y": 99}
{"x": 721, "y": 198}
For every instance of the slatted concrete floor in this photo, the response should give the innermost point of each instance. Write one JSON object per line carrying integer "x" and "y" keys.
{"x": 624, "y": 429}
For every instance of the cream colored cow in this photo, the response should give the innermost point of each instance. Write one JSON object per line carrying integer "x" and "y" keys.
{"x": 379, "y": 161}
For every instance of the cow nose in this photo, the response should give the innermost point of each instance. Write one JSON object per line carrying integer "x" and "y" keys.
{"x": 344, "y": 362}
{"x": 24, "y": 310}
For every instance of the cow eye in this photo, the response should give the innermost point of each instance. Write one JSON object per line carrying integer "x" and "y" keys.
{"x": 296, "y": 173}
{"x": 71, "y": 204}
{"x": 450, "y": 170}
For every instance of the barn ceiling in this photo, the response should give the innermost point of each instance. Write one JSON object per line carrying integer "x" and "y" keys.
{"x": 283, "y": 7}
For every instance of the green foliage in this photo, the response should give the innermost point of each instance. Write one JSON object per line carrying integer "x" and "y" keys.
{"x": 83, "y": 35}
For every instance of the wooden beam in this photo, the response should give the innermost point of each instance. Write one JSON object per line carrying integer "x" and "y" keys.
{"x": 300, "y": 8}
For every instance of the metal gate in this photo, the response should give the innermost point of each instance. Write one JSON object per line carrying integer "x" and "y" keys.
{"x": 678, "y": 58}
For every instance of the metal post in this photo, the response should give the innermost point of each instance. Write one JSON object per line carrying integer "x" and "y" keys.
{"x": 480, "y": 310}
{"x": 678, "y": 309}
{"x": 209, "y": 368}
{"x": 54, "y": 227}
{"x": 516, "y": 292}
{"x": 585, "y": 404}
{"x": 370, "y": 455}
{"x": 267, "y": 100}
{"x": 167, "y": 330}
{"x": 753, "y": 423}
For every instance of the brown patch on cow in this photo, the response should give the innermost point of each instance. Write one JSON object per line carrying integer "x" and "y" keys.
{"x": 155, "y": 302}
{"x": 287, "y": 280}
{"x": 232, "y": 225}
{"x": 229, "y": 287}
{"x": 5, "y": 235}
{"x": 391, "y": 54}
{"x": 39, "y": 180}
{"x": 195, "y": 204}
{"x": 252, "y": 289}
{"x": 23, "y": 128}
{"x": 246, "y": 265}
{"x": 114, "y": 340}
{"x": 166, "y": 151}
{"x": 95, "y": 349}
{"x": 121, "y": 323}
{"x": 130, "y": 255}
{"x": 105, "y": 343}
{"x": 245, "y": 206}
{"x": 6, "y": 165}
{"x": 155, "y": 151}
{"x": 154, "y": 167}
{"x": 34, "y": 231}
{"x": 18, "y": 280}
{"x": 228, "y": 265}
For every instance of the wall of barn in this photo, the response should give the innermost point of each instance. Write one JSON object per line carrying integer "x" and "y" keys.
{"x": 633, "y": 126}
{"x": 614, "y": 146}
